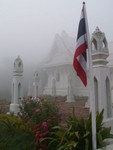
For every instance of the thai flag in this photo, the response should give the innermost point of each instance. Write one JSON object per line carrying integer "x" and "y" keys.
{"x": 80, "y": 56}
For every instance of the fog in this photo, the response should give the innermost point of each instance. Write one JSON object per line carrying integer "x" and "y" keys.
{"x": 28, "y": 28}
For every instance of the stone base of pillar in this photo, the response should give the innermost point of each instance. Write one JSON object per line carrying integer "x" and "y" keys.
{"x": 70, "y": 98}
{"x": 14, "y": 108}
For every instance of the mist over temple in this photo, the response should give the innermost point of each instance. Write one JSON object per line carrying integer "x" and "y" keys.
{"x": 56, "y": 76}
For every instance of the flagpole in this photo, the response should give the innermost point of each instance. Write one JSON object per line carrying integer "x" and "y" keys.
{"x": 91, "y": 85}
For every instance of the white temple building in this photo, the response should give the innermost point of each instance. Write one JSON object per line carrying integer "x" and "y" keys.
{"x": 62, "y": 78}
{"x": 59, "y": 68}
{"x": 58, "y": 77}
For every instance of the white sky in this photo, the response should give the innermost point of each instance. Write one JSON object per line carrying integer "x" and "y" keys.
{"x": 28, "y": 27}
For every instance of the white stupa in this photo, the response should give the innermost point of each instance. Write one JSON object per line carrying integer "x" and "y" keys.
{"x": 17, "y": 85}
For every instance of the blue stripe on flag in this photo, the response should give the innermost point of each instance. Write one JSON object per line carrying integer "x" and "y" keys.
{"x": 81, "y": 29}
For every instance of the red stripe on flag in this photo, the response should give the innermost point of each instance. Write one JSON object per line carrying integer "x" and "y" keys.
{"x": 82, "y": 48}
{"x": 80, "y": 71}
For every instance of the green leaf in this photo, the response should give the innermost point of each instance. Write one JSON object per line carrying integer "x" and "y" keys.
{"x": 86, "y": 134}
{"x": 63, "y": 147}
{"x": 100, "y": 140}
{"x": 77, "y": 134}
{"x": 86, "y": 144}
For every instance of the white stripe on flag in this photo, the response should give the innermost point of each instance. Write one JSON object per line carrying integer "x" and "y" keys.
{"x": 82, "y": 15}
{"x": 82, "y": 62}
{"x": 80, "y": 41}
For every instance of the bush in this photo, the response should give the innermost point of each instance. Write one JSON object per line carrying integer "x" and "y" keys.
{"x": 78, "y": 134}
{"x": 40, "y": 116}
{"x": 27, "y": 130}
{"x": 39, "y": 126}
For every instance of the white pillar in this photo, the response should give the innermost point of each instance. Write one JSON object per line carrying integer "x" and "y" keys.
{"x": 101, "y": 72}
{"x": 17, "y": 86}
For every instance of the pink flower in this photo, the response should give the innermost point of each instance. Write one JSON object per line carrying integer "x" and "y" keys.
{"x": 44, "y": 134}
{"x": 36, "y": 126}
{"x": 30, "y": 97}
{"x": 37, "y": 110}
{"x": 44, "y": 126}
{"x": 18, "y": 113}
{"x": 38, "y": 97}
{"x": 38, "y": 134}
{"x": 26, "y": 116}
{"x": 61, "y": 118}
{"x": 28, "y": 123}
{"x": 40, "y": 140}
{"x": 48, "y": 120}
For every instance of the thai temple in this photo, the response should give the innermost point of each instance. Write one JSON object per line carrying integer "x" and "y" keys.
{"x": 57, "y": 77}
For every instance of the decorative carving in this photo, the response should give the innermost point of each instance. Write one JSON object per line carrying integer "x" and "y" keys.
{"x": 99, "y": 48}
{"x": 99, "y": 42}
{"x": 18, "y": 65}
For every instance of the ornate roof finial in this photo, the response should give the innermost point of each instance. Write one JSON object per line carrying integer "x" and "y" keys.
{"x": 97, "y": 29}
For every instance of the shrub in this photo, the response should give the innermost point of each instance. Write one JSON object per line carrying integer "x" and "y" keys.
{"x": 34, "y": 122}
{"x": 40, "y": 116}
{"x": 78, "y": 134}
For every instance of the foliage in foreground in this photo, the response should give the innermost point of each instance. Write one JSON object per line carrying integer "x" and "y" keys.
{"x": 39, "y": 126}
{"x": 27, "y": 130}
{"x": 78, "y": 134}
{"x": 14, "y": 135}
